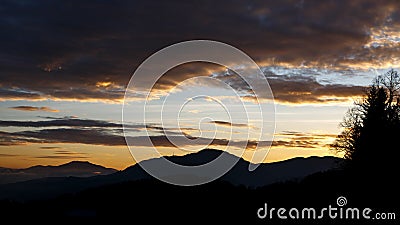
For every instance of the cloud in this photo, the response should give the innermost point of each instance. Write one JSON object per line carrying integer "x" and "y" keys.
{"x": 194, "y": 111}
{"x": 307, "y": 90}
{"x": 63, "y": 154}
{"x": 90, "y": 56}
{"x": 68, "y": 122}
{"x": 107, "y": 138}
{"x": 93, "y": 136}
{"x": 10, "y": 139}
{"x": 18, "y": 94}
{"x": 301, "y": 139}
{"x": 295, "y": 88}
{"x": 67, "y": 130}
{"x": 96, "y": 132}
{"x": 297, "y": 143}
{"x": 33, "y": 108}
{"x": 49, "y": 147}
{"x": 60, "y": 157}
{"x": 301, "y": 134}
{"x": 169, "y": 130}
{"x": 102, "y": 137}
{"x": 7, "y": 155}
{"x": 71, "y": 135}
{"x": 181, "y": 141}
{"x": 229, "y": 124}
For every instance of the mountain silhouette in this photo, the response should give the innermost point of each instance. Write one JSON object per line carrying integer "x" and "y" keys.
{"x": 71, "y": 169}
{"x": 265, "y": 174}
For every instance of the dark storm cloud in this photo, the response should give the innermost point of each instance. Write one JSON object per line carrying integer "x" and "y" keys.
{"x": 297, "y": 88}
{"x": 62, "y": 50}
{"x": 186, "y": 71}
{"x": 301, "y": 89}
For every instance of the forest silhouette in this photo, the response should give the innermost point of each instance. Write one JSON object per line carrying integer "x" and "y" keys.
{"x": 371, "y": 130}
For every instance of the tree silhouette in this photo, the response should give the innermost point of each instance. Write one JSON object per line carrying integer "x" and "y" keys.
{"x": 371, "y": 131}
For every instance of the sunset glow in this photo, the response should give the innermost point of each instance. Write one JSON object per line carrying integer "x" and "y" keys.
{"x": 63, "y": 77}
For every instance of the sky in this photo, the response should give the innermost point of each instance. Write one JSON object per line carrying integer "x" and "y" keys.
{"x": 65, "y": 66}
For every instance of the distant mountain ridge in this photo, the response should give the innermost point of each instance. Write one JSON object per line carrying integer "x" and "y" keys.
{"x": 71, "y": 169}
{"x": 265, "y": 174}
